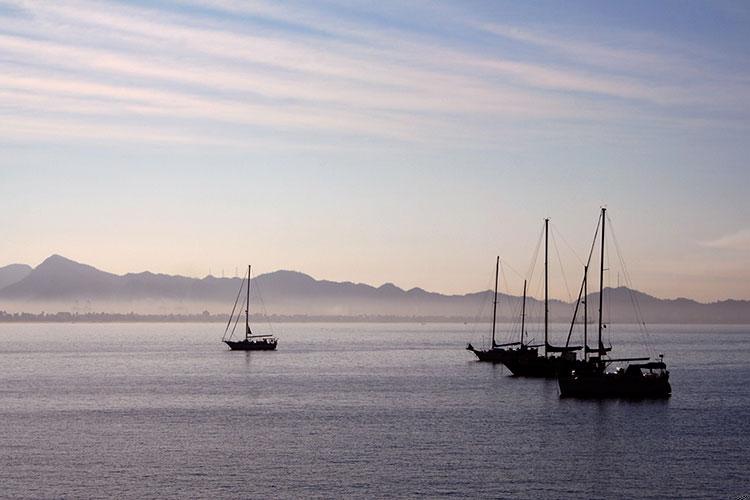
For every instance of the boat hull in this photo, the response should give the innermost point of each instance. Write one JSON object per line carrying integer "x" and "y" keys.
{"x": 615, "y": 385}
{"x": 536, "y": 367}
{"x": 528, "y": 363}
{"x": 249, "y": 345}
{"x": 489, "y": 355}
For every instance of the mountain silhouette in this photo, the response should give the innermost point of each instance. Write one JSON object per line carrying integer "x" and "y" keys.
{"x": 64, "y": 284}
{"x": 13, "y": 273}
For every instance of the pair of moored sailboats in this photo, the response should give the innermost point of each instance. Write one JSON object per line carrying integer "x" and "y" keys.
{"x": 523, "y": 358}
{"x": 584, "y": 378}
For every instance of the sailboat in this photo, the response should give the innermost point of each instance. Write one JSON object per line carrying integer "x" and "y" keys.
{"x": 525, "y": 361}
{"x": 641, "y": 378}
{"x": 251, "y": 342}
{"x": 496, "y": 352}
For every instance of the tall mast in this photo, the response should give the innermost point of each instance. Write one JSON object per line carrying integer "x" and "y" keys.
{"x": 601, "y": 285}
{"x": 523, "y": 311}
{"x": 546, "y": 298}
{"x": 494, "y": 302}
{"x": 585, "y": 313}
{"x": 247, "y": 308}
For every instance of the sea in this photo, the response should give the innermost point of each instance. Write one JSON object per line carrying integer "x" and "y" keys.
{"x": 354, "y": 410}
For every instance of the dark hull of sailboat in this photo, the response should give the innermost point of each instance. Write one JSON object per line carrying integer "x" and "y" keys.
{"x": 250, "y": 345}
{"x": 615, "y": 385}
{"x": 528, "y": 363}
{"x": 489, "y": 356}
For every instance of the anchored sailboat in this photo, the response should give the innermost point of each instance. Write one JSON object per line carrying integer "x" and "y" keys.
{"x": 496, "y": 352}
{"x": 525, "y": 361}
{"x": 642, "y": 378}
{"x": 250, "y": 342}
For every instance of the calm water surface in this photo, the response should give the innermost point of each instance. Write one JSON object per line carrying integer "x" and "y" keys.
{"x": 354, "y": 410}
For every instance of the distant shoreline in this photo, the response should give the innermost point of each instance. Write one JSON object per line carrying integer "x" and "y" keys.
{"x": 223, "y": 318}
{"x": 66, "y": 317}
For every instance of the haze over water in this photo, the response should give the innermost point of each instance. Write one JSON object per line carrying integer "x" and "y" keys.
{"x": 355, "y": 410}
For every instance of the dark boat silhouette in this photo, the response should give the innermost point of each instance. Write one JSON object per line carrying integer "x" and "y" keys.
{"x": 250, "y": 342}
{"x": 641, "y": 378}
{"x": 525, "y": 360}
{"x": 496, "y": 352}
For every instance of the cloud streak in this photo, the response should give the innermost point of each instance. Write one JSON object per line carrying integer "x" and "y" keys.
{"x": 738, "y": 240}
{"x": 108, "y": 64}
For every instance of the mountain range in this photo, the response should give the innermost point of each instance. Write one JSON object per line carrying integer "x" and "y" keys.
{"x": 60, "y": 284}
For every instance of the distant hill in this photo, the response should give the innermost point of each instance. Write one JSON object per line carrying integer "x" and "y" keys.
{"x": 13, "y": 274}
{"x": 60, "y": 284}
{"x": 61, "y": 279}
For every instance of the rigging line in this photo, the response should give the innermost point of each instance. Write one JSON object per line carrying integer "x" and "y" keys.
{"x": 508, "y": 305}
{"x": 629, "y": 286}
{"x": 478, "y": 324}
{"x": 231, "y": 315}
{"x": 505, "y": 263}
{"x": 503, "y": 277}
{"x": 505, "y": 304}
{"x": 263, "y": 306}
{"x": 515, "y": 322}
{"x": 532, "y": 310}
{"x": 633, "y": 298}
{"x": 608, "y": 315}
{"x": 236, "y": 321}
{"x": 486, "y": 296}
{"x": 536, "y": 310}
{"x": 562, "y": 270}
{"x": 570, "y": 247}
{"x": 485, "y": 304}
{"x": 513, "y": 307}
{"x": 535, "y": 255}
{"x": 593, "y": 244}
{"x": 508, "y": 309}
{"x": 575, "y": 312}
{"x": 588, "y": 263}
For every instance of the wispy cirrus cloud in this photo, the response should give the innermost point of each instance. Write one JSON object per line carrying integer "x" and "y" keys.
{"x": 613, "y": 55}
{"x": 304, "y": 69}
{"x": 738, "y": 240}
{"x": 639, "y": 66}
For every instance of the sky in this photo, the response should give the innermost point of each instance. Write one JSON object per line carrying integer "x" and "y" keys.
{"x": 404, "y": 142}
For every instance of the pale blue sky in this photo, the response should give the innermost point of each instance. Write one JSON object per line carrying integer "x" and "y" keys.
{"x": 377, "y": 141}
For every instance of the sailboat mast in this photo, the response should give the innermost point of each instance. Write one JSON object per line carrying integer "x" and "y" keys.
{"x": 247, "y": 307}
{"x": 523, "y": 311}
{"x": 494, "y": 302}
{"x": 585, "y": 313}
{"x": 546, "y": 287}
{"x": 601, "y": 285}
